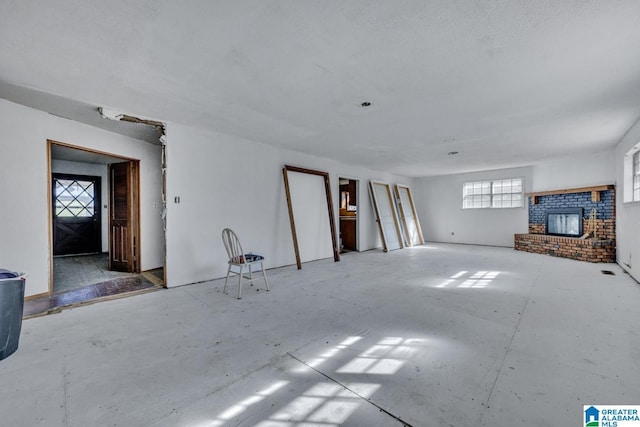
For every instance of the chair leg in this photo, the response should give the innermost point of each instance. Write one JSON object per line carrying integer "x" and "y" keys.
{"x": 240, "y": 282}
{"x": 250, "y": 275}
{"x": 264, "y": 274}
{"x": 226, "y": 280}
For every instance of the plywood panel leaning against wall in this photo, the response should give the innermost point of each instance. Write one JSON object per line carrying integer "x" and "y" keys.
{"x": 386, "y": 215}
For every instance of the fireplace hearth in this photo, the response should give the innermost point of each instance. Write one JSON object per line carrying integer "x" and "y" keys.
{"x": 556, "y": 220}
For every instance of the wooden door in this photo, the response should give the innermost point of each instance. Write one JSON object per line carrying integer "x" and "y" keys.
{"x": 76, "y": 214}
{"x": 348, "y": 233}
{"x": 123, "y": 217}
{"x": 348, "y": 214}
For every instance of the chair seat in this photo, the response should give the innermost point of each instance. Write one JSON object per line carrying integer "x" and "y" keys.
{"x": 246, "y": 259}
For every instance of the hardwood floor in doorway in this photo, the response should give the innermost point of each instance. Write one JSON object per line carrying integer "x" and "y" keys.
{"x": 78, "y": 271}
{"x": 85, "y": 279}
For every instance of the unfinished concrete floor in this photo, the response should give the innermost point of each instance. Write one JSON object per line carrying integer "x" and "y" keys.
{"x": 438, "y": 335}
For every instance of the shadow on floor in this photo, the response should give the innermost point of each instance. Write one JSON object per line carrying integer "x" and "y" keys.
{"x": 80, "y": 280}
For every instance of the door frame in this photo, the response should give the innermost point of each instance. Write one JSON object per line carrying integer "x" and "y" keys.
{"x": 402, "y": 210}
{"x": 358, "y": 207}
{"x": 332, "y": 222}
{"x": 389, "y": 202}
{"x": 135, "y": 233}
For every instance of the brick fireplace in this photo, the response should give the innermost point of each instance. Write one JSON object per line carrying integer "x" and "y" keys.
{"x": 563, "y": 205}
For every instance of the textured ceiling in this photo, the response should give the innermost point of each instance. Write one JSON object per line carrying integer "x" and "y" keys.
{"x": 503, "y": 82}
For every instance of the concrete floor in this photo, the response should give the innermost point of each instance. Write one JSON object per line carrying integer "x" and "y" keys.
{"x": 439, "y": 335}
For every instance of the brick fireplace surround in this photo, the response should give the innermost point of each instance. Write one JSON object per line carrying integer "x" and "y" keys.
{"x": 600, "y": 249}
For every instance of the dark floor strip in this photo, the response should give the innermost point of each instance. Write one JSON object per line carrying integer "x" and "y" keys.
{"x": 116, "y": 287}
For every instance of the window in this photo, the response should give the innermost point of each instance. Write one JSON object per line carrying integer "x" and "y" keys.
{"x": 74, "y": 198}
{"x": 501, "y": 193}
{"x": 476, "y": 195}
{"x": 631, "y": 179}
{"x": 636, "y": 177}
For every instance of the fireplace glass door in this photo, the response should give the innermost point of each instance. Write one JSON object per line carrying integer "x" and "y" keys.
{"x": 566, "y": 222}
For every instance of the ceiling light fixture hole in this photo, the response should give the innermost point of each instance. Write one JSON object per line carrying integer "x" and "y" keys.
{"x": 366, "y": 104}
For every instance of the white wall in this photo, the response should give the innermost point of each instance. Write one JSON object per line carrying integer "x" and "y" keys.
{"x": 627, "y": 214}
{"x": 90, "y": 169}
{"x": 223, "y": 181}
{"x": 439, "y": 205}
{"x": 439, "y": 199}
{"x": 575, "y": 171}
{"x": 25, "y": 218}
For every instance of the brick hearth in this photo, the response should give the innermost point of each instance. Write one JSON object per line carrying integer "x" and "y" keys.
{"x": 600, "y": 249}
{"x": 567, "y": 247}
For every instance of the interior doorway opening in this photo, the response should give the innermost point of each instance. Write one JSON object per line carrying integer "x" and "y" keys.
{"x": 348, "y": 213}
{"x": 94, "y": 229}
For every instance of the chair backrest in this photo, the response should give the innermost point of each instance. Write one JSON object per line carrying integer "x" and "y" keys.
{"x": 232, "y": 245}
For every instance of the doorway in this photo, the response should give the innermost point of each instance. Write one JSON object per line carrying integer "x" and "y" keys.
{"x": 348, "y": 191}
{"x": 95, "y": 228}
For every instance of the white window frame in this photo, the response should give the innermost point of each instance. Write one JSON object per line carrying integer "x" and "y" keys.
{"x": 491, "y": 194}
{"x": 636, "y": 176}
{"x": 631, "y": 178}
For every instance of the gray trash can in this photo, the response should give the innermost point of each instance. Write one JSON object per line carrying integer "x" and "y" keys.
{"x": 11, "y": 306}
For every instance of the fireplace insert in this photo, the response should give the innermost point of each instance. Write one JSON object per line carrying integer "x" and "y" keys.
{"x": 565, "y": 222}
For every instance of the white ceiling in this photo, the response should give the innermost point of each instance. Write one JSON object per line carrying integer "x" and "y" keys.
{"x": 503, "y": 82}
{"x": 76, "y": 110}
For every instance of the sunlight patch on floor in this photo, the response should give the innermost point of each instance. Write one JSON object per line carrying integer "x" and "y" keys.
{"x": 332, "y": 352}
{"x": 478, "y": 280}
{"x": 242, "y": 406}
{"x": 329, "y": 403}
